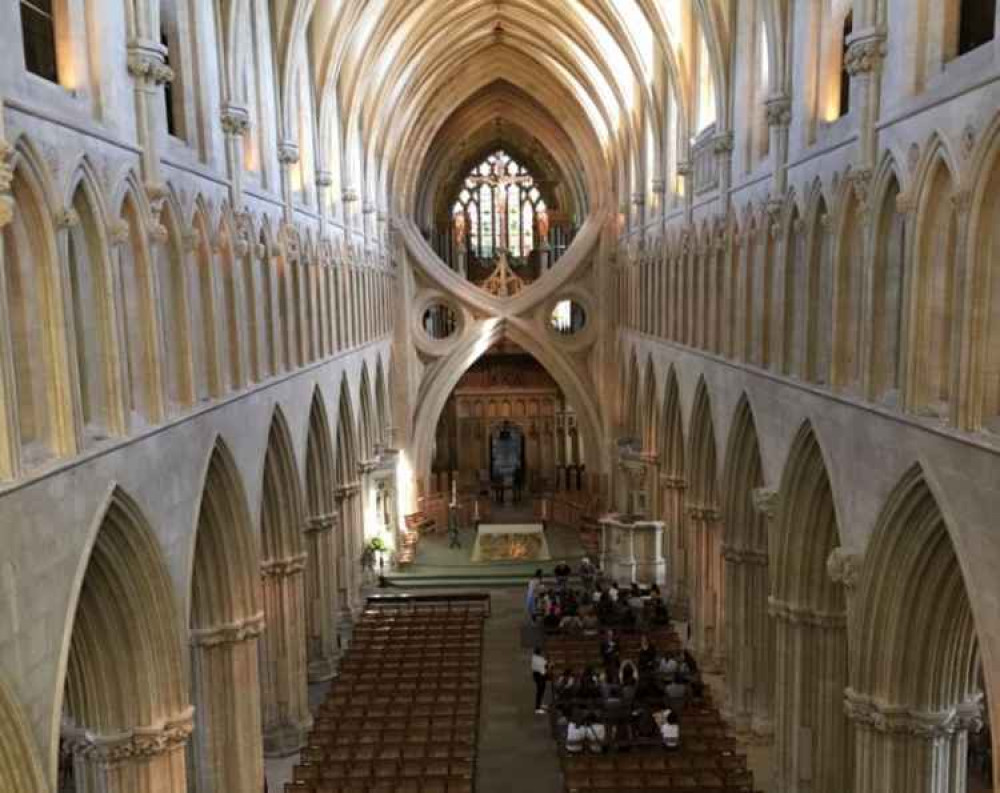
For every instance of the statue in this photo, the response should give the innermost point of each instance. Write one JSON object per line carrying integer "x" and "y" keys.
{"x": 459, "y": 230}
{"x": 543, "y": 225}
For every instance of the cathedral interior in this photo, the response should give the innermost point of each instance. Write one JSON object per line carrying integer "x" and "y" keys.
{"x": 707, "y": 291}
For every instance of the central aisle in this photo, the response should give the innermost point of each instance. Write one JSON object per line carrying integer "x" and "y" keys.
{"x": 516, "y": 751}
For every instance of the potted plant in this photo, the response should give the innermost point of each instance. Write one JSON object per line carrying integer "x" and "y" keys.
{"x": 374, "y": 551}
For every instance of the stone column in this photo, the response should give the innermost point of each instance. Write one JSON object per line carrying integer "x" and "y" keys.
{"x": 226, "y": 685}
{"x": 673, "y": 516}
{"x": 778, "y": 108}
{"x": 722, "y": 145}
{"x": 147, "y": 63}
{"x": 235, "y": 125}
{"x": 136, "y": 760}
{"x": 349, "y": 575}
{"x": 321, "y": 596}
{"x": 705, "y": 528}
{"x": 284, "y": 697}
{"x": 288, "y": 156}
{"x": 10, "y": 442}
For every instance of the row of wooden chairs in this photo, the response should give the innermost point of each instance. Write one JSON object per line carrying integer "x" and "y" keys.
{"x": 403, "y": 713}
{"x": 655, "y": 762}
{"x": 389, "y": 786}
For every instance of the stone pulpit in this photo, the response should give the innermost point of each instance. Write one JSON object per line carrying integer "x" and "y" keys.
{"x": 632, "y": 549}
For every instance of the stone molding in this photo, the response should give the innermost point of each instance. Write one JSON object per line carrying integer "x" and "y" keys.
{"x": 322, "y": 523}
{"x": 705, "y": 514}
{"x": 802, "y": 615}
{"x": 765, "y": 501}
{"x": 346, "y": 491}
{"x": 283, "y": 568}
{"x": 233, "y": 633}
{"x": 844, "y": 567}
{"x": 235, "y": 120}
{"x": 139, "y": 743}
{"x": 900, "y": 720}
{"x": 736, "y": 554}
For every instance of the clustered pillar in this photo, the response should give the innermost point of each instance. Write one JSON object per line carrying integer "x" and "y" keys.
{"x": 321, "y": 596}
{"x": 705, "y": 528}
{"x": 283, "y": 657}
{"x": 228, "y": 727}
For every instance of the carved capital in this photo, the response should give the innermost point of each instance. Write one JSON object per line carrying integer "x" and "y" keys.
{"x": 241, "y": 248}
{"x": 796, "y": 614}
{"x": 322, "y": 523}
{"x": 232, "y": 633}
{"x": 6, "y": 210}
{"x": 961, "y": 201}
{"x": 346, "y": 491}
{"x": 745, "y": 556}
{"x": 844, "y": 567}
{"x": 138, "y": 744}
{"x": 118, "y": 233}
{"x": 147, "y": 62}
{"x": 778, "y": 109}
{"x": 871, "y": 714}
{"x": 722, "y": 143}
{"x": 765, "y": 501}
{"x": 659, "y": 186}
{"x": 66, "y": 218}
{"x": 324, "y": 179}
{"x": 865, "y": 53}
{"x": 350, "y": 195}
{"x": 283, "y": 568}
{"x": 288, "y": 153}
{"x": 191, "y": 241}
{"x": 235, "y": 120}
{"x": 158, "y": 234}
{"x": 290, "y": 238}
{"x": 6, "y": 166}
{"x": 703, "y": 514}
{"x": 638, "y": 199}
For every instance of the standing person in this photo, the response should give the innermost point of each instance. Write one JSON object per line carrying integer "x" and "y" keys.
{"x": 587, "y": 573}
{"x": 609, "y": 649}
{"x": 540, "y": 673}
{"x": 533, "y": 586}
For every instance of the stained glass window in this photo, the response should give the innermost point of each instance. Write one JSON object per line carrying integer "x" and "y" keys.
{"x": 501, "y": 204}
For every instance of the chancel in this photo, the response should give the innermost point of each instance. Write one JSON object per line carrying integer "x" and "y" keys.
{"x": 436, "y": 397}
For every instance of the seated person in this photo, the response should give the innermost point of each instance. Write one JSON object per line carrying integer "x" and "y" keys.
{"x": 585, "y": 733}
{"x": 671, "y": 731}
{"x": 562, "y": 573}
{"x": 647, "y": 655}
{"x": 609, "y": 649}
{"x": 589, "y": 687}
{"x": 553, "y": 617}
{"x": 587, "y": 574}
{"x": 630, "y": 680}
{"x": 613, "y": 591}
{"x": 591, "y": 623}
{"x": 668, "y": 666}
{"x": 676, "y": 692}
{"x": 648, "y": 689}
{"x": 571, "y": 624}
{"x": 644, "y": 725}
{"x": 565, "y": 685}
{"x": 605, "y": 607}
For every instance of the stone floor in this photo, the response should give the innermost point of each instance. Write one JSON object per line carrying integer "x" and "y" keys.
{"x": 516, "y": 751}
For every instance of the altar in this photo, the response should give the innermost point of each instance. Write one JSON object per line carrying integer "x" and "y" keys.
{"x": 511, "y": 542}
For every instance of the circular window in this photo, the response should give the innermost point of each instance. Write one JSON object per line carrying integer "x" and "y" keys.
{"x": 568, "y": 318}
{"x": 440, "y": 321}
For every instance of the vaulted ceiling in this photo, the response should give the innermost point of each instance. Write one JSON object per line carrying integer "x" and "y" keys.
{"x": 400, "y": 82}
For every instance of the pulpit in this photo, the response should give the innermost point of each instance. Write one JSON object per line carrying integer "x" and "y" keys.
{"x": 632, "y": 549}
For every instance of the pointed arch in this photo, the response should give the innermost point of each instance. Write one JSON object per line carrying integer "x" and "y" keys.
{"x": 630, "y": 407}
{"x": 93, "y": 339}
{"x": 283, "y": 651}
{"x": 322, "y": 545}
{"x": 20, "y": 765}
{"x": 933, "y": 298}
{"x": 650, "y": 414}
{"x": 891, "y": 228}
{"x": 810, "y": 625}
{"x": 913, "y": 701}
{"x": 793, "y": 283}
{"x": 366, "y": 428}
{"x": 847, "y": 292}
{"x": 382, "y": 409}
{"x": 705, "y": 530}
{"x": 750, "y": 634}
{"x": 116, "y": 703}
{"x": 817, "y": 303}
{"x": 674, "y": 478}
{"x": 175, "y": 309}
{"x": 208, "y": 380}
{"x": 226, "y": 620}
{"x": 142, "y": 384}
{"x": 41, "y": 404}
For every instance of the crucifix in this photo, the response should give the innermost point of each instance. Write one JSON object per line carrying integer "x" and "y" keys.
{"x": 500, "y": 182}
